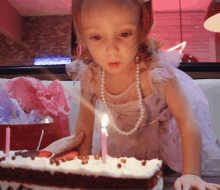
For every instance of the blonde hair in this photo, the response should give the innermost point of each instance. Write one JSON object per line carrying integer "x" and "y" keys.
{"x": 148, "y": 46}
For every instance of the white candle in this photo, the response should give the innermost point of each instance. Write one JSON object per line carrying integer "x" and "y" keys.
{"x": 104, "y": 138}
{"x": 7, "y": 141}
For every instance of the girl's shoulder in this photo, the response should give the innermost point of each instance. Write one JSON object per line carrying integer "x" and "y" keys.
{"x": 162, "y": 71}
{"x": 81, "y": 70}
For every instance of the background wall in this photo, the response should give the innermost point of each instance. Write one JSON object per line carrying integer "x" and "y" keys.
{"x": 42, "y": 36}
{"x": 13, "y": 53}
{"x": 10, "y": 21}
{"x": 48, "y": 35}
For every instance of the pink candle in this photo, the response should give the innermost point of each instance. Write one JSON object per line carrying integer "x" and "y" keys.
{"x": 104, "y": 138}
{"x": 7, "y": 144}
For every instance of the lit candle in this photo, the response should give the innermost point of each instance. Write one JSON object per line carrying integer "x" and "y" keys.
{"x": 7, "y": 143}
{"x": 104, "y": 138}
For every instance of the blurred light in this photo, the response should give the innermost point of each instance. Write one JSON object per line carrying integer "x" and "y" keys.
{"x": 212, "y": 17}
{"x": 52, "y": 60}
{"x": 182, "y": 45}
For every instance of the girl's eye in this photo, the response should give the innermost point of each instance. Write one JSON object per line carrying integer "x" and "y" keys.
{"x": 96, "y": 38}
{"x": 126, "y": 34}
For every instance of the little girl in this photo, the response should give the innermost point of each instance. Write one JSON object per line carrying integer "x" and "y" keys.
{"x": 154, "y": 109}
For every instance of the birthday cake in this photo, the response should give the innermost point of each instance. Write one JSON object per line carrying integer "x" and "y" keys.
{"x": 70, "y": 171}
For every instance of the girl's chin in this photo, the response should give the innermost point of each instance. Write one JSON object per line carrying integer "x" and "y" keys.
{"x": 112, "y": 70}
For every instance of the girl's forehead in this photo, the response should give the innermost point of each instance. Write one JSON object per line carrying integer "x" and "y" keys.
{"x": 114, "y": 11}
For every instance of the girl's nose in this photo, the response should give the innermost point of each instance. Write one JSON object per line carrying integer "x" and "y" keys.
{"x": 112, "y": 47}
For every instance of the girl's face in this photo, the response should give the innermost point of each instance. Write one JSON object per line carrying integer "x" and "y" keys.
{"x": 110, "y": 33}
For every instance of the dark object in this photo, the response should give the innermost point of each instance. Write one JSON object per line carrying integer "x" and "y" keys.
{"x": 74, "y": 41}
{"x": 187, "y": 58}
{"x": 67, "y": 155}
{"x": 34, "y": 153}
{"x": 212, "y": 17}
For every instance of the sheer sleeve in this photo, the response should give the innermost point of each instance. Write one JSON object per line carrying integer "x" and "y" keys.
{"x": 163, "y": 71}
{"x": 85, "y": 74}
{"x": 76, "y": 68}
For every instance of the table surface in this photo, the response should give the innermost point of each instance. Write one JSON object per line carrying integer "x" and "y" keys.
{"x": 169, "y": 177}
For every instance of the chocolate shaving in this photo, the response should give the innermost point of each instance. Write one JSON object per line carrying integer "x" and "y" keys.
{"x": 97, "y": 157}
{"x": 85, "y": 162}
{"x": 56, "y": 159}
{"x": 80, "y": 157}
{"x": 63, "y": 160}
{"x": 16, "y": 153}
{"x": 119, "y": 165}
{"x": 123, "y": 160}
{"x": 85, "y": 157}
{"x": 52, "y": 162}
{"x": 70, "y": 155}
{"x": 143, "y": 162}
{"x": 57, "y": 162}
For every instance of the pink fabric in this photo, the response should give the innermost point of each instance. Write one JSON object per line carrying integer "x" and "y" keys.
{"x": 33, "y": 95}
{"x": 158, "y": 135}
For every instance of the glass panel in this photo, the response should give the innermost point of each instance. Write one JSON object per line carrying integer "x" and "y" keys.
{"x": 174, "y": 28}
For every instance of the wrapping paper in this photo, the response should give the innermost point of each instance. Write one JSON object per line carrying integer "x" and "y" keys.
{"x": 12, "y": 113}
{"x": 31, "y": 94}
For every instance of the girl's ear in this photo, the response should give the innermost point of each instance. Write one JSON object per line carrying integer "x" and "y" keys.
{"x": 80, "y": 39}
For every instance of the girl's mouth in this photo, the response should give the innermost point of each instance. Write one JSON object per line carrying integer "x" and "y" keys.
{"x": 114, "y": 64}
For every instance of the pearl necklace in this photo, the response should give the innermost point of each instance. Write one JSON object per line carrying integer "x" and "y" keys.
{"x": 140, "y": 102}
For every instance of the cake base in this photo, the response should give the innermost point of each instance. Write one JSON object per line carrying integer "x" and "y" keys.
{"x": 28, "y": 177}
{"x": 69, "y": 171}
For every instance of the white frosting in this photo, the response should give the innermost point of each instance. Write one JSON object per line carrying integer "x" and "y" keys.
{"x": 131, "y": 169}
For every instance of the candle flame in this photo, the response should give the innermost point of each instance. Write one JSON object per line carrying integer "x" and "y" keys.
{"x": 104, "y": 120}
